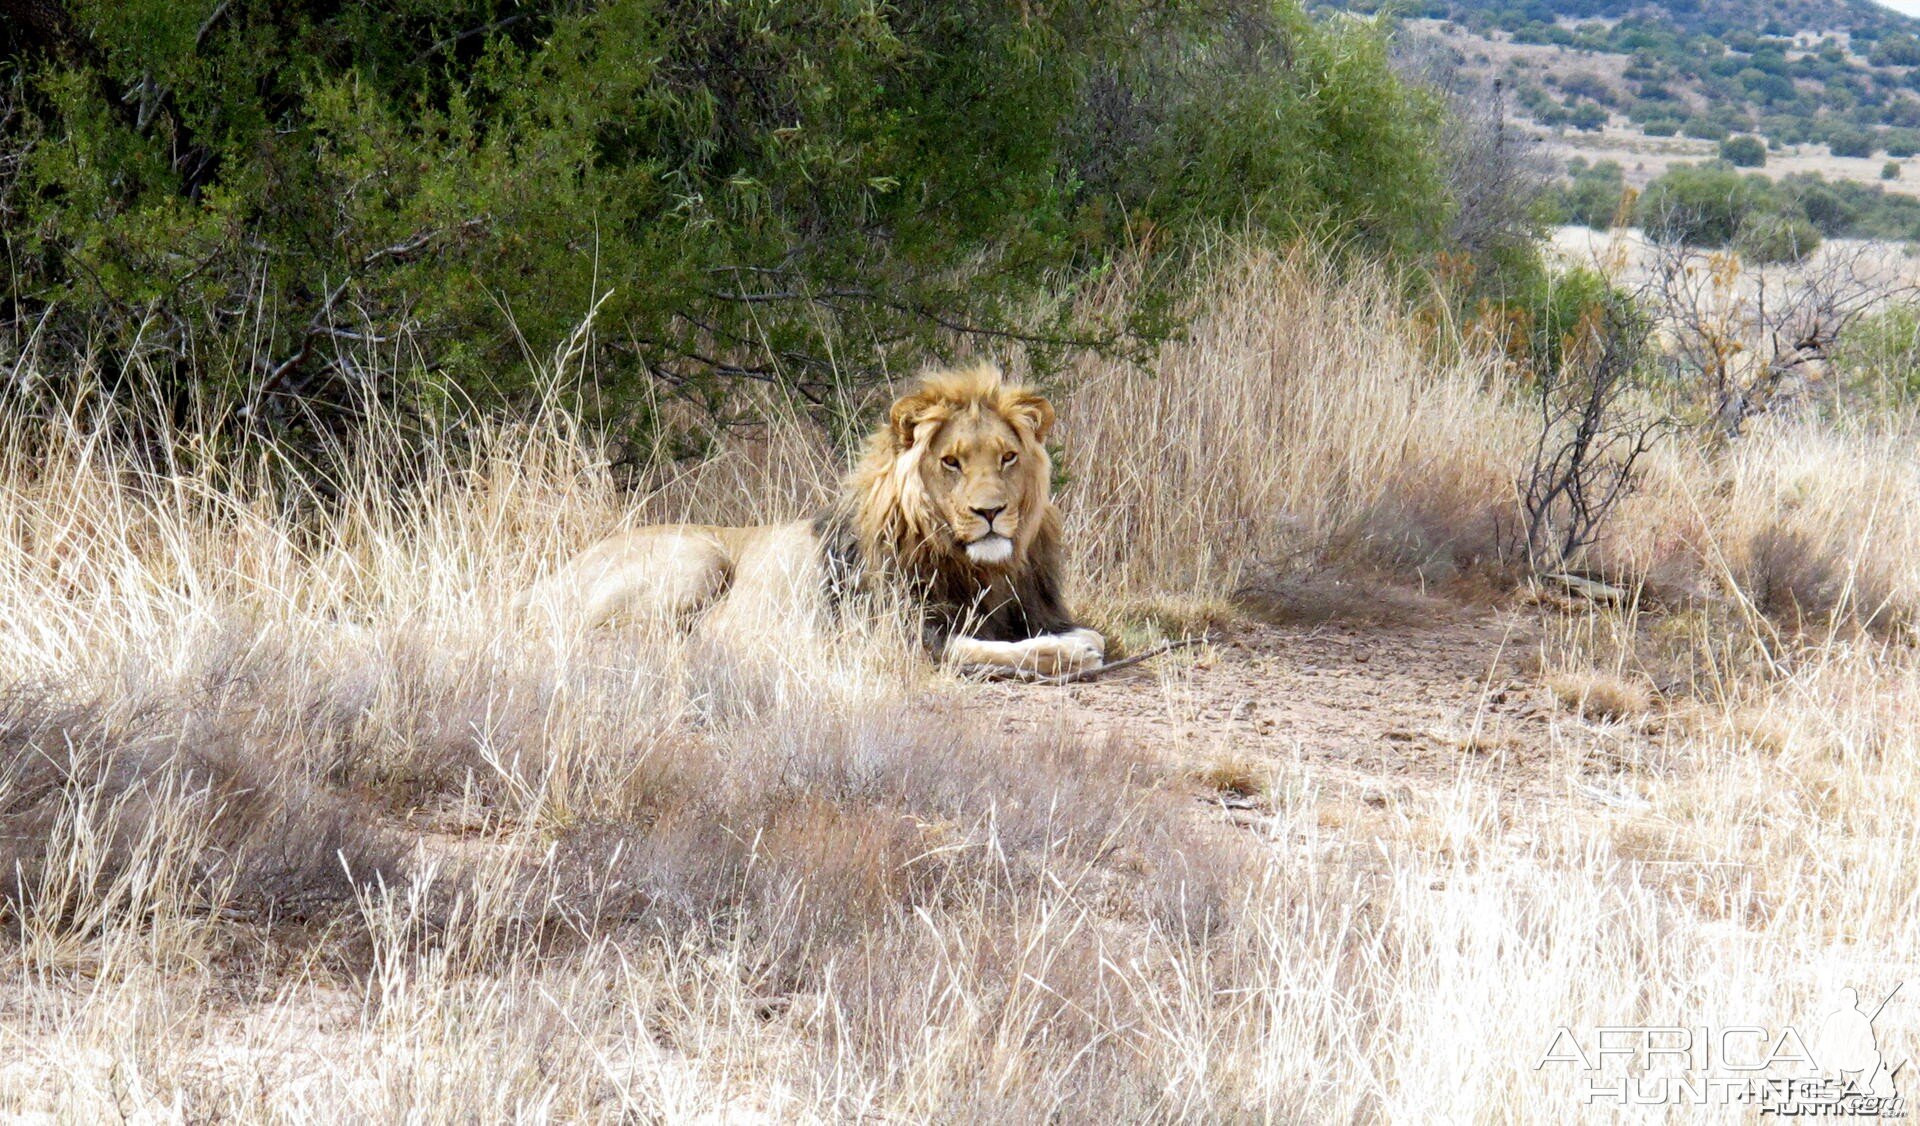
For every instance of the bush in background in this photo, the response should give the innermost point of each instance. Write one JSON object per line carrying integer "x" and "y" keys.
{"x": 1851, "y": 142}
{"x": 1767, "y": 239}
{"x": 1700, "y": 204}
{"x": 1705, "y": 129}
{"x": 1587, "y": 117}
{"x": 1744, "y": 152}
{"x": 1846, "y": 209}
{"x": 1595, "y": 195}
{"x": 263, "y": 201}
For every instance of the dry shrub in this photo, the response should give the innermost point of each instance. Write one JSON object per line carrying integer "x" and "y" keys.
{"x": 1806, "y": 584}
{"x": 1235, "y": 774}
{"x": 1599, "y": 695}
{"x": 877, "y": 876}
{"x": 1307, "y": 418}
{"x": 111, "y": 811}
{"x": 1421, "y": 530}
{"x": 1814, "y": 523}
{"x": 809, "y": 835}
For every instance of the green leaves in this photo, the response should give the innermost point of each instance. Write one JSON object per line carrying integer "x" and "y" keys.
{"x": 808, "y": 193}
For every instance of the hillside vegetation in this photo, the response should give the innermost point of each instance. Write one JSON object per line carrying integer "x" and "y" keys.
{"x": 1841, "y": 75}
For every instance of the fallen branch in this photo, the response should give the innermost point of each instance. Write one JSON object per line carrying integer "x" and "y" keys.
{"x": 1606, "y": 594}
{"x": 1029, "y": 676}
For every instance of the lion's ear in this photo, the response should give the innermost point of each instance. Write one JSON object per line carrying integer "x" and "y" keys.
{"x": 906, "y": 415}
{"x": 1031, "y": 412}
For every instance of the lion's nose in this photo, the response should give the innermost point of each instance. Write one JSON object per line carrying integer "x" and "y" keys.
{"x": 988, "y": 514}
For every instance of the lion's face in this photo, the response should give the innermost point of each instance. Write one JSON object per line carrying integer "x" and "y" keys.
{"x": 976, "y": 475}
{"x": 972, "y": 466}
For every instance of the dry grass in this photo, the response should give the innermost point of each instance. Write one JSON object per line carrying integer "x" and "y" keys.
{"x": 1282, "y": 436}
{"x": 1235, "y": 775}
{"x": 1813, "y": 524}
{"x": 1601, "y": 696}
{"x": 280, "y": 757}
{"x": 299, "y": 824}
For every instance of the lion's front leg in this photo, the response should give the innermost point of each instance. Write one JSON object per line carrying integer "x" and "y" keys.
{"x": 1050, "y": 654}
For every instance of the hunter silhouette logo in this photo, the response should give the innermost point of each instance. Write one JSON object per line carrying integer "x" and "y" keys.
{"x": 1849, "y": 1049}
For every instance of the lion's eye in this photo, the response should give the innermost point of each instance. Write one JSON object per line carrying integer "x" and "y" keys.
{"x": 1008, "y": 458}
{"x": 950, "y": 461}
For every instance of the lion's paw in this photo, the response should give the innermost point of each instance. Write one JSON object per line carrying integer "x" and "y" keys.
{"x": 1091, "y": 638}
{"x": 1059, "y": 653}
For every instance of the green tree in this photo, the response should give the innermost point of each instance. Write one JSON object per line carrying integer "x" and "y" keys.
{"x": 1700, "y": 204}
{"x": 1744, "y": 152}
{"x": 273, "y": 199}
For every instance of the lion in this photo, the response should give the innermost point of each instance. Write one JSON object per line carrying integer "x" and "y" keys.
{"x": 949, "y": 505}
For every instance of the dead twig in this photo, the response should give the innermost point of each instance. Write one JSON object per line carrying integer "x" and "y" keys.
{"x": 1029, "y": 676}
{"x": 1591, "y": 438}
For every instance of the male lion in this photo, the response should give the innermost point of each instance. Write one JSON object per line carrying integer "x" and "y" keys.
{"x": 949, "y": 506}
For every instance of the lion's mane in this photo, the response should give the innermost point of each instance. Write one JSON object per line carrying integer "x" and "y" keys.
{"x": 883, "y": 529}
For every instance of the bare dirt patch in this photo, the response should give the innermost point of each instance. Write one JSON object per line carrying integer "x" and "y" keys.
{"x": 1375, "y": 712}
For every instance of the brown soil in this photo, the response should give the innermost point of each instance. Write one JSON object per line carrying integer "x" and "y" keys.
{"x": 1372, "y": 713}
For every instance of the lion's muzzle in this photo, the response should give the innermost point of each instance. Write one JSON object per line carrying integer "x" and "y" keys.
{"x": 990, "y": 550}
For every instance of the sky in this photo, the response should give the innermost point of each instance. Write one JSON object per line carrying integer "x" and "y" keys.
{"x": 1909, "y": 7}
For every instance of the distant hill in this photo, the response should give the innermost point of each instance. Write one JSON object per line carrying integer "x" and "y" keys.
{"x": 1844, "y": 74}
{"x": 1710, "y": 17}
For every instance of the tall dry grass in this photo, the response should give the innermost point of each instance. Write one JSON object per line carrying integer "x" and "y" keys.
{"x": 1309, "y": 419}
{"x": 1811, "y": 522}
{"x": 301, "y": 824}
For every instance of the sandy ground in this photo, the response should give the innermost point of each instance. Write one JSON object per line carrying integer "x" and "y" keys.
{"x": 1380, "y": 718}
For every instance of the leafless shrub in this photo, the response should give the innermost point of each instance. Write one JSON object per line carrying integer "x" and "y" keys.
{"x": 1754, "y": 341}
{"x": 1592, "y": 435}
{"x": 1496, "y": 175}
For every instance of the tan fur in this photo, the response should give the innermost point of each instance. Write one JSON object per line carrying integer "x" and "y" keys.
{"x": 949, "y": 502}
{"x": 901, "y": 509}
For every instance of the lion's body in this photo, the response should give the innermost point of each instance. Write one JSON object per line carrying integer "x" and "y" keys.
{"x": 948, "y": 506}
{"x": 677, "y": 570}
